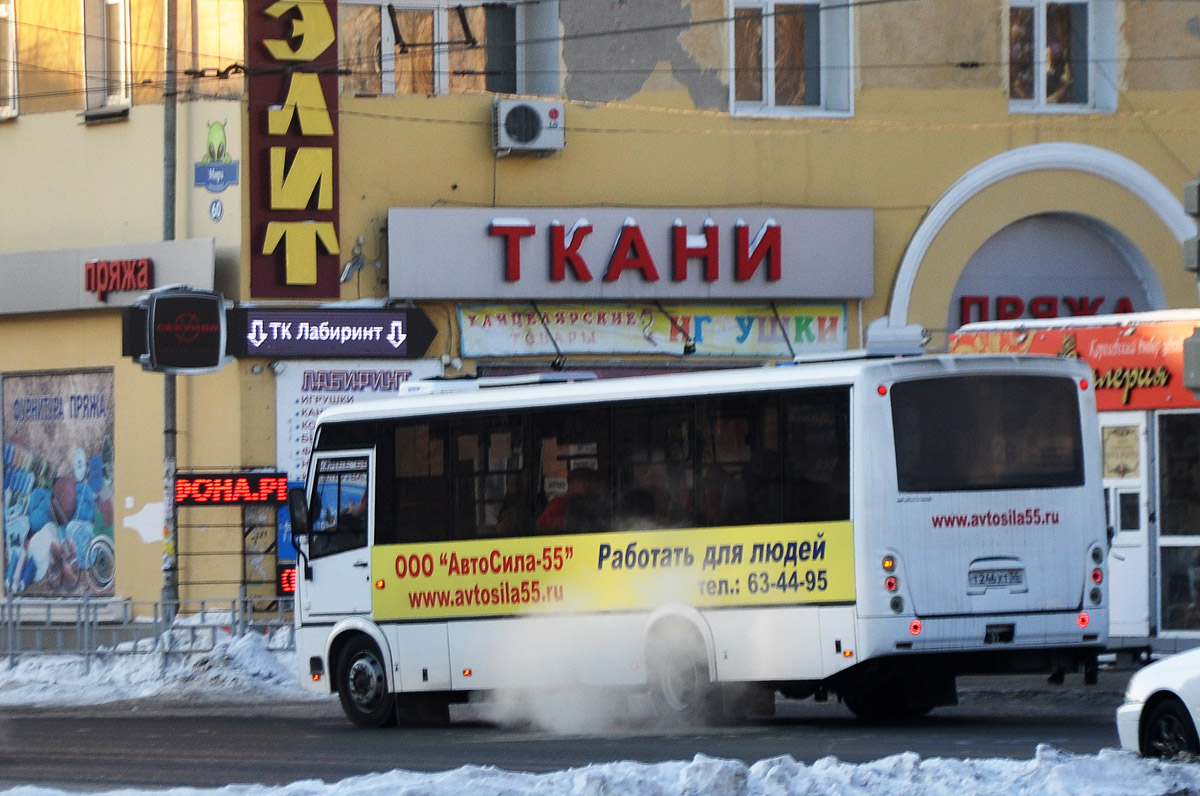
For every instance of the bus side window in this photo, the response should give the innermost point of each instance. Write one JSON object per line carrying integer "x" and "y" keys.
{"x": 817, "y": 461}
{"x": 653, "y": 449}
{"x": 420, "y": 491}
{"x": 490, "y": 498}
{"x": 739, "y": 459}
{"x": 574, "y": 486}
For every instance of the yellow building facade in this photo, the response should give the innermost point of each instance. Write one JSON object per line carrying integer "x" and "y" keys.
{"x": 873, "y": 173}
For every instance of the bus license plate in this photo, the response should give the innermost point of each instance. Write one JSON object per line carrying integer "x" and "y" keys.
{"x": 996, "y": 577}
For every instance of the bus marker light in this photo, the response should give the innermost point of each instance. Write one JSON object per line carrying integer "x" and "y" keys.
{"x": 890, "y": 583}
{"x": 881, "y": 389}
{"x": 1083, "y": 384}
{"x": 847, "y": 653}
{"x": 1097, "y": 575}
{"x": 466, "y": 672}
{"x": 1083, "y": 619}
{"x": 316, "y": 676}
{"x": 914, "y": 627}
{"x": 379, "y": 584}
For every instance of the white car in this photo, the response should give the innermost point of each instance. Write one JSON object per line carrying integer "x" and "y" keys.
{"x": 1161, "y": 703}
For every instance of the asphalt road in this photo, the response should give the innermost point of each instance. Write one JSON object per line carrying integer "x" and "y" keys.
{"x": 161, "y": 744}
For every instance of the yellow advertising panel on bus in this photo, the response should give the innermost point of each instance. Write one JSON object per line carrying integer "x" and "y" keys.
{"x": 757, "y": 565}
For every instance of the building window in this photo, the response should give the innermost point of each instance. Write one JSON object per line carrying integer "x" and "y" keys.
{"x": 8, "y": 61}
{"x": 791, "y": 58}
{"x": 106, "y": 55}
{"x": 432, "y": 47}
{"x": 1056, "y": 56}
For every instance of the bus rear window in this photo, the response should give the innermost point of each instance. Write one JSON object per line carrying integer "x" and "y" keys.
{"x": 987, "y": 432}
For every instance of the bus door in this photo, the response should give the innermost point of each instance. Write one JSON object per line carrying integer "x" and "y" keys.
{"x": 1123, "y": 438}
{"x": 342, "y": 529}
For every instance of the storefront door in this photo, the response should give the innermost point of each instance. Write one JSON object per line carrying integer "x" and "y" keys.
{"x": 1179, "y": 521}
{"x": 1127, "y": 508}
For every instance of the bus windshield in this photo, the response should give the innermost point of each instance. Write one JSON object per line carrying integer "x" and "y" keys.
{"x": 987, "y": 432}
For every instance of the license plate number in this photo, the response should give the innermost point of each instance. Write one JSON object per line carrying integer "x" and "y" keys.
{"x": 996, "y": 577}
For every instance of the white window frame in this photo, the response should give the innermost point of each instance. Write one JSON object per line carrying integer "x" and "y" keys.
{"x": 536, "y": 65}
{"x": 99, "y": 72}
{"x": 836, "y": 64}
{"x": 8, "y": 59}
{"x": 1101, "y": 59}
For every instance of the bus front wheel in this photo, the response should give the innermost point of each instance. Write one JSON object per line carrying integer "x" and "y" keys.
{"x": 362, "y": 685}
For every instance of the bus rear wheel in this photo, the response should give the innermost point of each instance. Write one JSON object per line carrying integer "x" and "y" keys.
{"x": 890, "y": 702}
{"x": 679, "y": 681}
{"x": 362, "y": 685}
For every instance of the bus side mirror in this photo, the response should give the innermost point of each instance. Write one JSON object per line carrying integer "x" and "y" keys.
{"x": 298, "y": 508}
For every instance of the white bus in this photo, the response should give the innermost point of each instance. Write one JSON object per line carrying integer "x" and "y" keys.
{"x": 871, "y": 528}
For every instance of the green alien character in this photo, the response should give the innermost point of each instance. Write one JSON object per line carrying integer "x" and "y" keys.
{"x": 217, "y": 148}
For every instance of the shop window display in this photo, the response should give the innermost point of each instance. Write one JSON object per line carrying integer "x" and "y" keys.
{"x": 1179, "y": 522}
{"x": 58, "y": 485}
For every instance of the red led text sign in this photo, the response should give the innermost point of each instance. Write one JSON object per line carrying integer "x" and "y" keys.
{"x": 238, "y": 489}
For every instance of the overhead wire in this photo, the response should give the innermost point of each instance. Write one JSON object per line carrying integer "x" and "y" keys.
{"x": 154, "y": 79}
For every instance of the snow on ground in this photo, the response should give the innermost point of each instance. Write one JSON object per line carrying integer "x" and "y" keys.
{"x": 222, "y": 667}
{"x": 247, "y": 668}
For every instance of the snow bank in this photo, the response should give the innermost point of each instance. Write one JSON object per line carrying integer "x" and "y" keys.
{"x": 1049, "y": 773}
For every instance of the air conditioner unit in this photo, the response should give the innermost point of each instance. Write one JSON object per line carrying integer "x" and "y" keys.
{"x": 527, "y": 126}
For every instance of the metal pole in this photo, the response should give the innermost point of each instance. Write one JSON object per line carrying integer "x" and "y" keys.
{"x": 169, "y": 125}
{"x": 170, "y": 590}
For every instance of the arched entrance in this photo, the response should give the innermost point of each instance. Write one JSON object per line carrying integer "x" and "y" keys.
{"x": 1142, "y": 188}
{"x": 1050, "y": 265}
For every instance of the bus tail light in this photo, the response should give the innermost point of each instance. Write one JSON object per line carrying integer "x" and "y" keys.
{"x": 914, "y": 627}
{"x": 890, "y": 583}
{"x": 1097, "y": 576}
{"x": 1083, "y": 619}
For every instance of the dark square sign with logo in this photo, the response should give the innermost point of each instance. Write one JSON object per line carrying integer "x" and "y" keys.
{"x": 186, "y": 331}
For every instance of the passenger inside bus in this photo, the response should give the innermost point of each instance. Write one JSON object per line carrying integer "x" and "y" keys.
{"x": 581, "y": 509}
